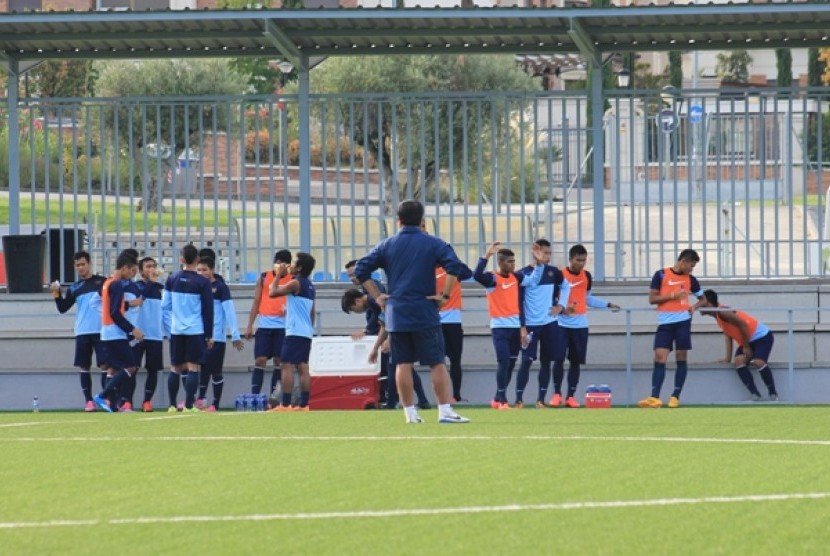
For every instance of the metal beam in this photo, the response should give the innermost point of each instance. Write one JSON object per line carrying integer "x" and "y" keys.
{"x": 584, "y": 42}
{"x": 281, "y": 41}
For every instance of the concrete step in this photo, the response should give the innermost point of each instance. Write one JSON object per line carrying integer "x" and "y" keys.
{"x": 705, "y": 385}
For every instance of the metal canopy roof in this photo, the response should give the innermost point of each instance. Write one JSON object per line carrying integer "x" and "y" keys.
{"x": 295, "y": 34}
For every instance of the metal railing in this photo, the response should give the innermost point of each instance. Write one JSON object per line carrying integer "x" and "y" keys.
{"x": 741, "y": 174}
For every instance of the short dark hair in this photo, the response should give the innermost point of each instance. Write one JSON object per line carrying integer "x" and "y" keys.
{"x": 504, "y": 253}
{"x": 125, "y": 258}
{"x": 207, "y": 252}
{"x": 144, "y": 261}
{"x": 711, "y": 297}
{"x": 81, "y": 255}
{"x": 689, "y": 255}
{"x": 542, "y": 242}
{"x": 208, "y": 262}
{"x": 350, "y": 264}
{"x": 349, "y": 298}
{"x": 577, "y": 251}
{"x": 282, "y": 256}
{"x": 131, "y": 252}
{"x": 190, "y": 253}
{"x": 304, "y": 264}
{"x": 411, "y": 212}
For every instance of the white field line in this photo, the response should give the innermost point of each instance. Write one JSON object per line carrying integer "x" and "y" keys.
{"x": 361, "y": 514}
{"x": 36, "y": 423}
{"x": 480, "y": 438}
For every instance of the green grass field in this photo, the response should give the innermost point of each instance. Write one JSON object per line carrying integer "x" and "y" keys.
{"x": 737, "y": 480}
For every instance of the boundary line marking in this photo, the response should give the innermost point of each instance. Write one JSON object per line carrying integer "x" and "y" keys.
{"x": 479, "y": 438}
{"x": 360, "y": 514}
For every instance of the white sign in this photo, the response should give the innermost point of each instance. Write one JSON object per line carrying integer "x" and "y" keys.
{"x": 667, "y": 120}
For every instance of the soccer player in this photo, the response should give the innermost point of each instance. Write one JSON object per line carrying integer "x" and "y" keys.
{"x": 299, "y": 329}
{"x": 271, "y": 330}
{"x": 149, "y": 320}
{"x": 224, "y": 318}
{"x": 358, "y": 301}
{"x": 541, "y": 307}
{"x": 669, "y": 290}
{"x": 505, "y": 296}
{"x": 117, "y": 331}
{"x": 754, "y": 340}
{"x": 573, "y": 325}
{"x": 451, "y": 325}
{"x": 188, "y": 299}
{"x": 411, "y": 306}
{"x": 86, "y": 292}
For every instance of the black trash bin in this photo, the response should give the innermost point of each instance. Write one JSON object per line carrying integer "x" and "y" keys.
{"x": 24, "y": 263}
{"x": 62, "y": 245}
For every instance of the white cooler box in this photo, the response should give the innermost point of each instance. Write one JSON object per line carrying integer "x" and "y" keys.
{"x": 341, "y": 375}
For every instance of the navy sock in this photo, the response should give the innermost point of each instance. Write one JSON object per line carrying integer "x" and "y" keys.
{"x": 544, "y": 380}
{"x": 218, "y": 386}
{"x": 573, "y": 378}
{"x": 502, "y": 380}
{"x": 150, "y": 384}
{"x": 769, "y": 381}
{"x": 304, "y": 399}
{"x": 204, "y": 379}
{"x": 173, "y": 388}
{"x": 746, "y": 378}
{"x": 257, "y": 376}
{"x": 522, "y": 377}
{"x": 680, "y": 378}
{"x": 115, "y": 382}
{"x": 558, "y": 375}
{"x": 658, "y": 375}
{"x": 286, "y": 398}
{"x": 190, "y": 388}
{"x": 86, "y": 385}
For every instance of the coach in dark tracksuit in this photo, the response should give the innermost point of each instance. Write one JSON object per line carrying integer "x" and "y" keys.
{"x": 409, "y": 259}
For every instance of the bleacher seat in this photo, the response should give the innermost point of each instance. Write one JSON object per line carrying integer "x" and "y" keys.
{"x": 322, "y": 276}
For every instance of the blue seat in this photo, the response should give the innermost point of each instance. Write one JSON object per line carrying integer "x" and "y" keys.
{"x": 249, "y": 277}
{"x": 344, "y": 276}
{"x": 377, "y": 276}
{"x": 322, "y": 276}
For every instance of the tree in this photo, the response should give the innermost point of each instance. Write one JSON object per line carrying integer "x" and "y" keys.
{"x": 263, "y": 76}
{"x": 734, "y": 67}
{"x": 784, "y": 65}
{"x": 63, "y": 78}
{"x": 676, "y": 69}
{"x": 148, "y": 128}
{"x": 824, "y": 60}
{"x": 387, "y": 130}
{"x": 815, "y": 67}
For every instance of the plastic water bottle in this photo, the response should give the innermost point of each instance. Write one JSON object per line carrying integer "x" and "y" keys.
{"x": 527, "y": 340}
{"x": 254, "y": 402}
{"x": 263, "y": 402}
{"x": 35, "y": 405}
{"x": 238, "y": 402}
{"x": 245, "y": 402}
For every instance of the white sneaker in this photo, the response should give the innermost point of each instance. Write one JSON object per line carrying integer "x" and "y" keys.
{"x": 452, "y": 418}
{"x": 414, "y": 419}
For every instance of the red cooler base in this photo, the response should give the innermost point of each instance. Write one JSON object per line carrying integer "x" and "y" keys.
{"x": 598, "y": 400}
{"x": 344, "y": 392}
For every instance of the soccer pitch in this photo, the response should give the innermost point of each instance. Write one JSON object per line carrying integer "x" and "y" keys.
{"x": 735, "y": 480}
